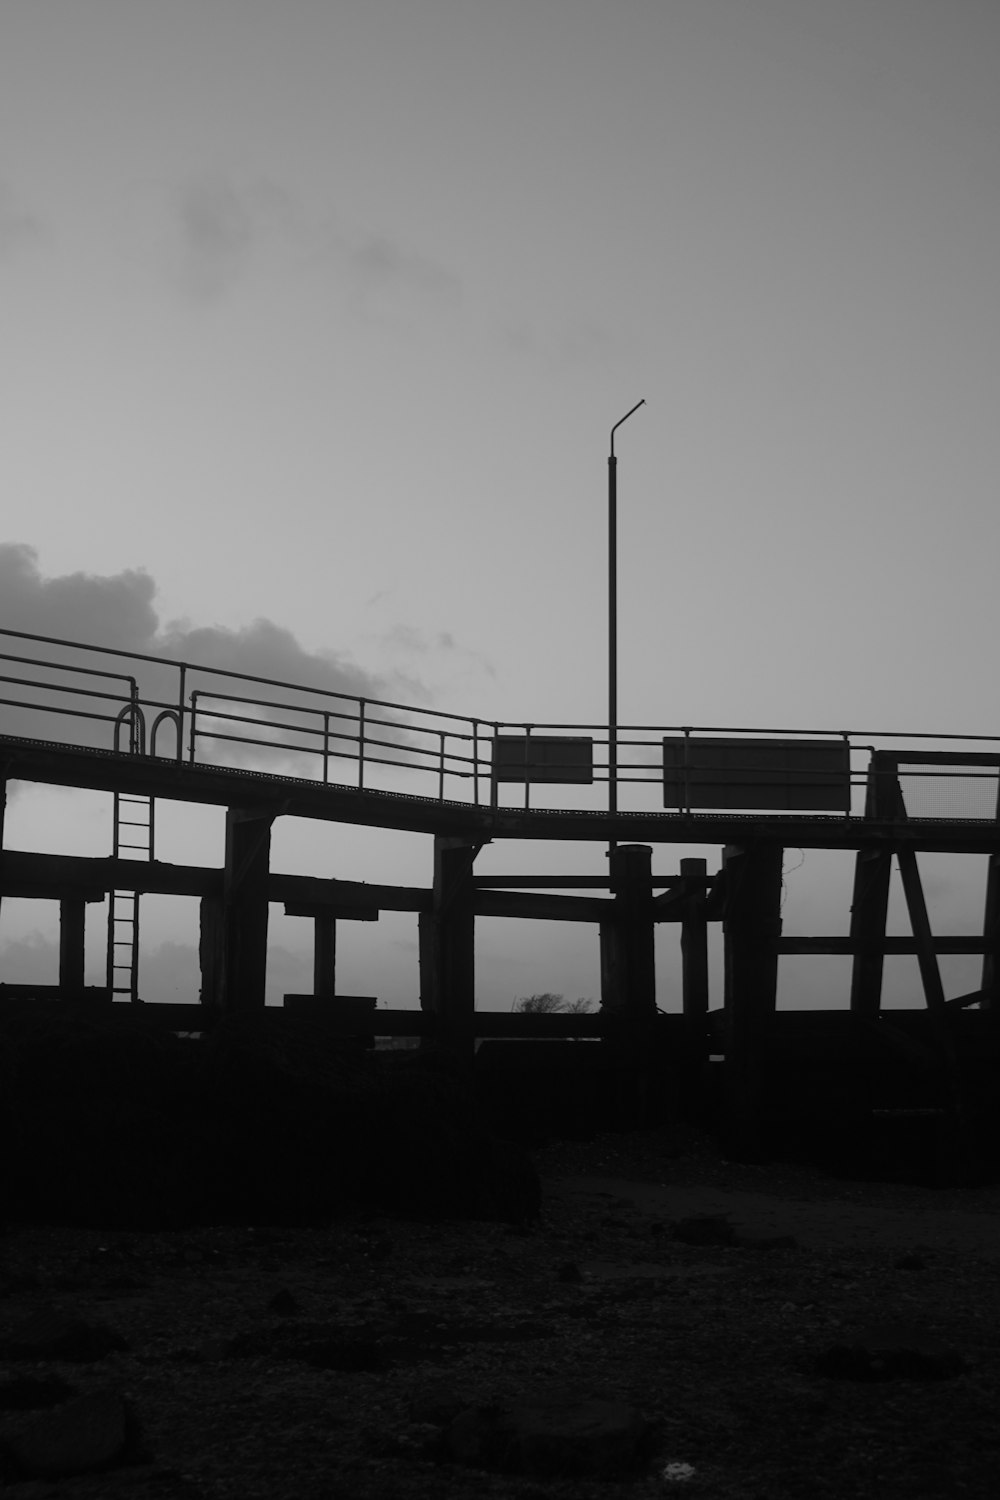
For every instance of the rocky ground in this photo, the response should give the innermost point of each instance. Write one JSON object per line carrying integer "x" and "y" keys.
{"x": 671, "y": 1322}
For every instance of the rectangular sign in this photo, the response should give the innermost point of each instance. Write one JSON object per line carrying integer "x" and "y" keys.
{"x": 543, "y": 757}
{"x": 745, "y": 775}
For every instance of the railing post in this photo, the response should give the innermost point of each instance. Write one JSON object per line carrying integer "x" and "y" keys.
{"x": 686, "y": 731}
{"x": 326, "y": 746}
{"x": 475, "y": 762}
{"x": 133, "y": 737}
{"x": 182, "y": 680}
{"x": 361, "y": 743}
{"x": 194, "y": 715}
{"x": 441, "y": 737}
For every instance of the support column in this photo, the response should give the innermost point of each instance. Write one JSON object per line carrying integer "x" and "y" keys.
{"x": 448, "y": 944}
{"x": 991, "y": 934}
{"x": 869, "y": 910}
{"x": 210, "y": 951}
{"x": 245, "y": 892}
{"x": 990, "y": 982}
{"x": 870, "y": 901}
{"x": 694, "y": 943}
{"x": 752, "y": 927}
{"x": 324, "y": 956}
{"x": 72, "y": 912}
{"x": 3, "y": 812}
{"x": 628, "y": 967}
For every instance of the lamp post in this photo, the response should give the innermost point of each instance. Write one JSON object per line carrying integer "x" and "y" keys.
{"x": 613, "y": 623}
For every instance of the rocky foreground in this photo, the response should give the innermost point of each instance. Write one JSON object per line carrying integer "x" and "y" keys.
{"x": 628, "y": 1314}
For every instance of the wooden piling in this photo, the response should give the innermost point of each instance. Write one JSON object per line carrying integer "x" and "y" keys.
{"x": 72, "y": 950}
{"x": 628, "y": 966}
{"x": 447, "y": 944}
{"x": 245, "y": 911}
{"x": 694, "y": 942}
{"x": 991, "y": 936}
{"x": 752, "y": 929}
{"x": 869, "y": 911}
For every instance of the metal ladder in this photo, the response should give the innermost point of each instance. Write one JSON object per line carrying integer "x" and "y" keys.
{"x": 132, "y": 839}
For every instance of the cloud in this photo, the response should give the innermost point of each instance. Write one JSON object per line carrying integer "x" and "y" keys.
{"x": 375, "y": 265}
{"x": 118, "y": 613}
{"x": 216, "y": 233}
{"x": 402, "y": 641}
{"x": 19, "y": 227}
{"x": 217, "y": 226}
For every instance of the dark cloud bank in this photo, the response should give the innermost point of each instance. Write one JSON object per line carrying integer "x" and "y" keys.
{"x": 119, "y": 612}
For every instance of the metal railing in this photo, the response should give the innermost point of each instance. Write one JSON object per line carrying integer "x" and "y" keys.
{"x": 59, "y": 694}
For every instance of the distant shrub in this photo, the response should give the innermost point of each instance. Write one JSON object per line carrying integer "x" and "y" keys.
{"x": 550, "y": 1005}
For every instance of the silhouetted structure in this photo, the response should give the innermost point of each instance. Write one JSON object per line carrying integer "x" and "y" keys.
{"x": 449, "y": 778}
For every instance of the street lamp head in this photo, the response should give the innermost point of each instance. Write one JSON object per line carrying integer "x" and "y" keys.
{"x": 624, "y": 419}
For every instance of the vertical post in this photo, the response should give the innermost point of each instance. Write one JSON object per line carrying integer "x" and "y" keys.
{"x": 245, "y": 886}
{"x": 751, "y": 927}
{"x": 869, "y": 909}
{"x": 448, "y": 943}
{"x": 990, "y": 981}
{"x": 3, "y": 813}
{"x": 324, "y": 956}
{"x": 72, "y": 910}
{"x": 361, "y": 743}
{"x": 870, "y": 901}
{"x": 694, "y": 943}
{"x": 210, "y": 951}
{"x": 991, "y": 933}
{"x": 180, "y": 711}
{"x": 628, "y": 964}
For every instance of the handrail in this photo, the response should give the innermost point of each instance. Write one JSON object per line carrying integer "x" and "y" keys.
{"x": 377, "y": 744}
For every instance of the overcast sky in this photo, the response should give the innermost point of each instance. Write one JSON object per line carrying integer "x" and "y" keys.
{"x": 317, "y": 313}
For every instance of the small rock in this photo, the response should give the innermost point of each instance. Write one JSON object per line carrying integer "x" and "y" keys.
{"x": 86, "y": 1434}
{"x": 52, "y": 1334}
{"x": 569, "y": 1271}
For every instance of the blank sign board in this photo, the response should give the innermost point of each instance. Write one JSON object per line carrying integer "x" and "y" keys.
{"x": 757, "y": 775}
{"x": 549, "y": 757}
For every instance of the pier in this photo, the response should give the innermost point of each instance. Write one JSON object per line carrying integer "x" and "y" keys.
{"x": 144, "y": 728}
